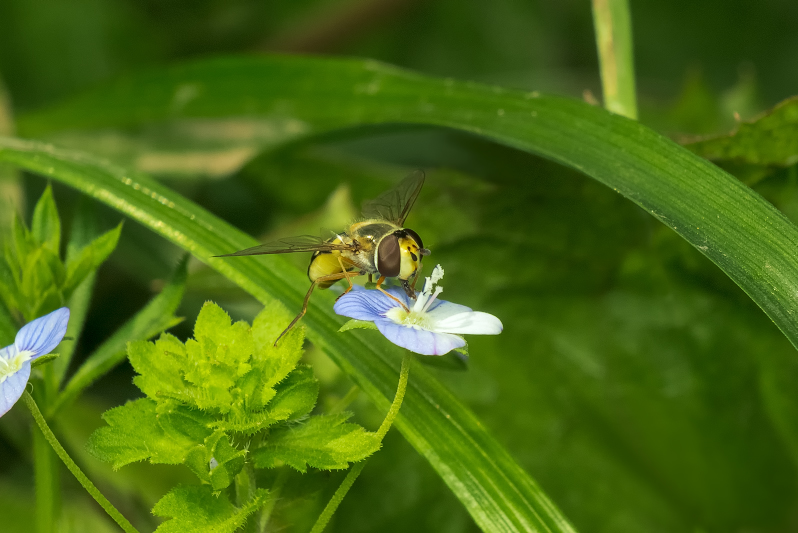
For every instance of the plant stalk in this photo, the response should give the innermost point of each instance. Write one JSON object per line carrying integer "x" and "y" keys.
{"x": 74, "y": 468}
{"x": 355, "y": 471}
{"x": 613, "y": 26}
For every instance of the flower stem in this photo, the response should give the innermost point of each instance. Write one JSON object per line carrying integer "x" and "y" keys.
{"x": 354, "y": 472}
{"x": 76, "y": 471}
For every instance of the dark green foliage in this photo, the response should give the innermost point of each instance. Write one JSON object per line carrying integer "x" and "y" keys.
{"x": 33, "y": 278}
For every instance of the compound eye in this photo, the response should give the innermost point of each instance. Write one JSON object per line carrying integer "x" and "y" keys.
{"x": 389, "y": 257}
{"x": 415, "y": 237}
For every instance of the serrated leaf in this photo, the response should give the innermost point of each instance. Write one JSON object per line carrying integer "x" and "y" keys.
{"x": 134, "y": 434}
{"x": 46, "y": 227}
{"x": 217, "y": 356}
{"x": 356, "y": 324}
{"x": 294, "y": 398}
{"x": 198, "y": 509}
{"x": 326, "y": 442}
{"x": 296, "y": 395}
{"x": 276, "y": 361}
{"x": 770, "y": 139}
{"x": 159, "y": 365}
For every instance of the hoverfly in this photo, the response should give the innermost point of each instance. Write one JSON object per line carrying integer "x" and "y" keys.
{"x": 376, "y": 244}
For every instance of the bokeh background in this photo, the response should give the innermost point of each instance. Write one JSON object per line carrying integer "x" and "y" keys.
{"x": 637, "y": 384}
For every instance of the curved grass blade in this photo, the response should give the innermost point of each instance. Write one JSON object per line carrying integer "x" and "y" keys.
{"x": 499, "y": 495}
{"x": 733, "y": 226}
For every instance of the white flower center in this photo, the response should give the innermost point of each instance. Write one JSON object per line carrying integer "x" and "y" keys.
{"x": 9, "y": 367}
{"x": 417, "y": 317}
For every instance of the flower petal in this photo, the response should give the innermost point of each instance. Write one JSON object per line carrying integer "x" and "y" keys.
{"x": 471, "y": 322}
{"x": 419, "y": 340}
{"x": 42, "y": 335}
{"x": 367, "y": 304}
{"x": 8, "y": 352}
{"x": 13, "y": 387}
{"x": 441, "y": 309}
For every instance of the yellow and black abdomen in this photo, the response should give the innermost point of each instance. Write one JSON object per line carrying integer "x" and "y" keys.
{"x": 326, "y": 263}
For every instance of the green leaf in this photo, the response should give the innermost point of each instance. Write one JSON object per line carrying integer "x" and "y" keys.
{"x": 770, "y": 139}
{"x": 159, "y": 366}
{"x": 357, "y": 324}
{"x": 325, "y": 442}
{"x": 44, "y": 359}
{"x": 155, "y": 317}
{"x": 90, "y": 257}
{"x": 227, "y": 461}
{"x": 276, "y": 361}
{"x": 296, "y": 395}
{"x": 46, "y": 227}
{"x": 135, "y": 432}
{"x": 198, "y": 509}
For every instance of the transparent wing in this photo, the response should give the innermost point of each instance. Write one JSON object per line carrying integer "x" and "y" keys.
{"x": 395, "y": 205}
{"x": 303, "y": 243}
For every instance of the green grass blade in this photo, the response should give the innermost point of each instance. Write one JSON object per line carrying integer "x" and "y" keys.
{"x": 499, "y": 495}
{"x": 733, "y": 226}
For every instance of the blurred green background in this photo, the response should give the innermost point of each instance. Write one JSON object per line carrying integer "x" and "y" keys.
{"x": 637, "y": 384}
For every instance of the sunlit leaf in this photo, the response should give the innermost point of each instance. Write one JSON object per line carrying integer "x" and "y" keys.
{"x": 326, "y": 442}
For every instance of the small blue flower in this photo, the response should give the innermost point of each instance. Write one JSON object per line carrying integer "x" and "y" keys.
{"x": 38, "y": 337}
{"x": 427, "y": 326}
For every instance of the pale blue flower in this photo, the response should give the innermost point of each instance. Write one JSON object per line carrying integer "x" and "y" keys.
{"x": 427, "y": 326}
{"x": 38, "y": 337}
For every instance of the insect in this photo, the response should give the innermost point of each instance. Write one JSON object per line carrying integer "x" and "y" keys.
{"x": 376, "y": 244}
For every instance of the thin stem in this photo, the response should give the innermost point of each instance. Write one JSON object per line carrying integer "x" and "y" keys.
{"x": 354, "y": 472}
{"x": 76, "y": 471}
{"x": 613, "y": 27}
{"x": 398, "y": 398}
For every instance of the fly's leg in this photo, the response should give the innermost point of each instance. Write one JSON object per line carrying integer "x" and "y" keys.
{"x": 331, "y": 277}
{"x": 415, "y": 278}
{"x": 389, "y": 295}
{"x": 348, "y": 277}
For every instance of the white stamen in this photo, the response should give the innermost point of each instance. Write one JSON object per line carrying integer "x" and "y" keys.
{"x": 438, "y": 290}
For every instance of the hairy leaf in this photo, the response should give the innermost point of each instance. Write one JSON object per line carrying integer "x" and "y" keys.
{"x": 198, "y": 509}
{"x": 326, "y": 442}
{"x": 135, "y": 434}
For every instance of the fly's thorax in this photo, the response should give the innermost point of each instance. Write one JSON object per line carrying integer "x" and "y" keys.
{"x": 398, "y": 254}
